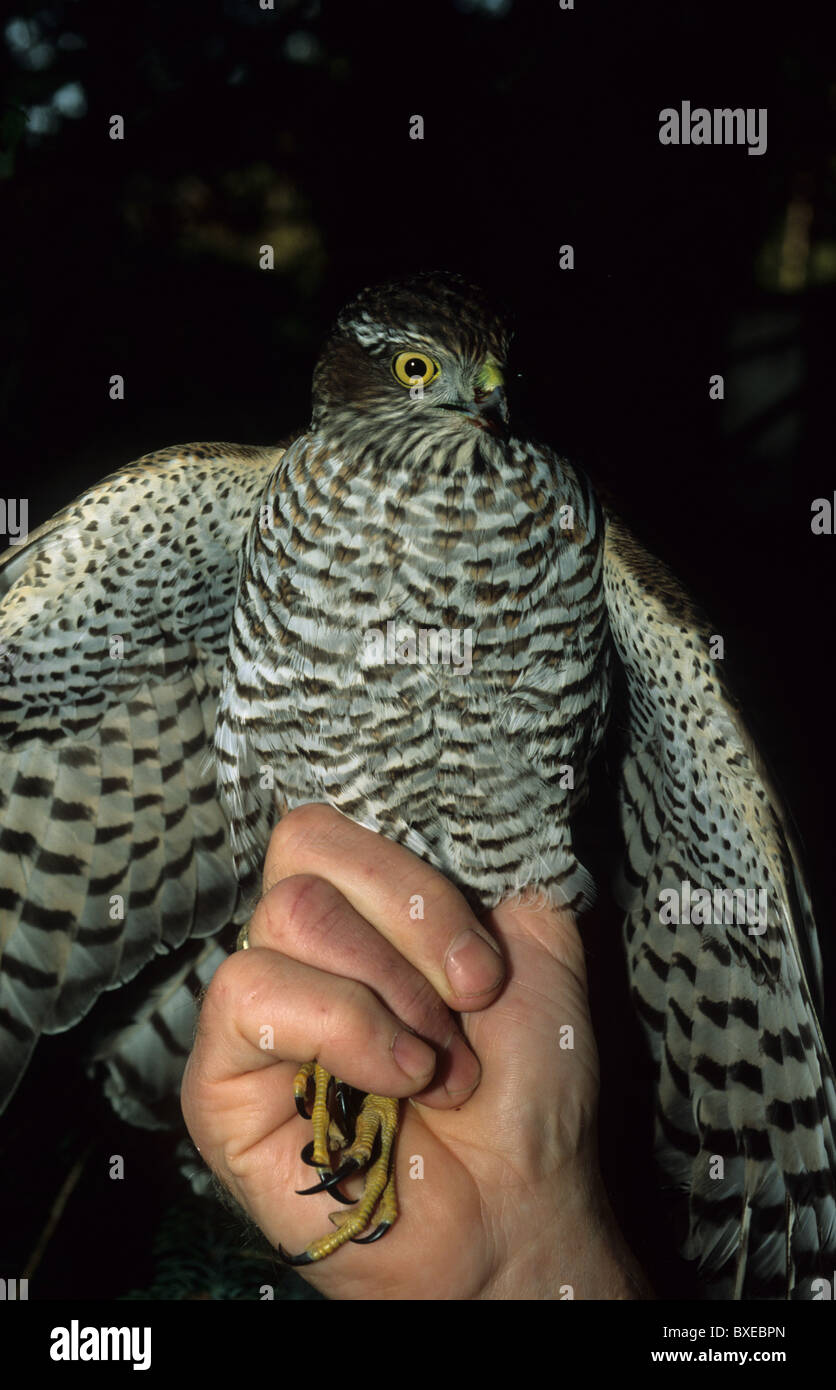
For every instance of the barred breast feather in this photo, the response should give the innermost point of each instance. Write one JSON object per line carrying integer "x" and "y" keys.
{"x": 477, "y": 770}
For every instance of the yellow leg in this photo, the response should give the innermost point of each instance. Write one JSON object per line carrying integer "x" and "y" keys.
{"x": 327, "y": 1133}
{"x": 378, "y": 1118}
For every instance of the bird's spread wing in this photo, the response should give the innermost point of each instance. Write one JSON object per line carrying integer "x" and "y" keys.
{"x": 746, "y": 1108}
{"x": 114, "y": 623}
{"x": 143, "y": 1053}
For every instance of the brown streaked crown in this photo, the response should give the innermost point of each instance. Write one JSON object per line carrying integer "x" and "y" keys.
{"x": 439, "y": 305}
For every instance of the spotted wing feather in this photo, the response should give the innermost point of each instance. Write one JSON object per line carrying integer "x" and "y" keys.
{"x": 114, "y": 623}
{"x": 746, "y": 1106}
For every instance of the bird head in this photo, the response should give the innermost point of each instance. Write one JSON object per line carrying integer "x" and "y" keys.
{"x": 415, "y": 367}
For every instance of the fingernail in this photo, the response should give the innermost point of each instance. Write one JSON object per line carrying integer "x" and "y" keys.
{"x": 472, "y": 966}
{"x": 465, "y": 1070}
{"x": 413, "y": 1056}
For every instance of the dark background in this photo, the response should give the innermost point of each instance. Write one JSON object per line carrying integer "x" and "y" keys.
{"x": 291, "y": 127}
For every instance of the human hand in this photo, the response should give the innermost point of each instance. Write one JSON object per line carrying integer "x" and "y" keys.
{"x": 509, "y": 1203}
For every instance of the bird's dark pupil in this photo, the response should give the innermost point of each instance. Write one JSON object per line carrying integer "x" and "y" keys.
{"x": 415, "y": 367}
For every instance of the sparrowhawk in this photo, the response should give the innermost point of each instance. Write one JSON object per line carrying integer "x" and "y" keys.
{"x": 269, "y": 605}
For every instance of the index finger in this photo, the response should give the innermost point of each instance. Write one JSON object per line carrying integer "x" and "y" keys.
{"x": 413, "y": 906}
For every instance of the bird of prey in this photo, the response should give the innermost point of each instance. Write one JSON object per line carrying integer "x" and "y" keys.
{"x": 241, "y": 601}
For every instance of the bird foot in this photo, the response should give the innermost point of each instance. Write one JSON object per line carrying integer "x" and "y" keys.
{"x": 337, "y": 1110}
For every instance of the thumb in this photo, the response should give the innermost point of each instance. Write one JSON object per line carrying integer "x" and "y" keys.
{"x": 538, "y": 1033}
{"x": 532, "y": 928}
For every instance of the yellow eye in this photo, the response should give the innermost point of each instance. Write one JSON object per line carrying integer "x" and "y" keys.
{"x": 410, "y": 368}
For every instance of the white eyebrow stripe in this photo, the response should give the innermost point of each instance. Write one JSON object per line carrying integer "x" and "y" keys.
{"x": 369, "y": 331}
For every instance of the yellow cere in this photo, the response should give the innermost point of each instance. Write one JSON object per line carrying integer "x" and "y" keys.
{"x": 490, "y": 377}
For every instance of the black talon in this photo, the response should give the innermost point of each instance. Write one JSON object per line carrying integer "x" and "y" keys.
{"x": 307, "y": 1157}
{"x": 328, "y": 1184}
{"x": 334, "y": 1192}
{"x": 338, "y": 1197}
{"x": 301, "y": 1106}
{"x": 347, "y": 1110}
{"x": 303, "y": 1259}
{"x": 375, "y": 1235}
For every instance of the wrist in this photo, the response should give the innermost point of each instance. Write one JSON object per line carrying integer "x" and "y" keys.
{"x": 578, "y": 1252}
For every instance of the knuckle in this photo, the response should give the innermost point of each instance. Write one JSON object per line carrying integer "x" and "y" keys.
{"x": 238, "y": 981}
{"x": 226, "y": 983}
{"x": 298, "y": 829}
{"x": 301, "y": 907}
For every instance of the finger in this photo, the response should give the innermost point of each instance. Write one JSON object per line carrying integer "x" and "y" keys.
{"x": 416, "y": 909}
{"x": 261, "y": 1008}
{"x": 537, "y": 1038}
{"x": 532, "y": 922}
{"x": 308, "y": 920}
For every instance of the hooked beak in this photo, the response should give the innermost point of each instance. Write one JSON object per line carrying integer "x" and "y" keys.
{"x": 489, "y": 411}
{"x": 492, "y": 411}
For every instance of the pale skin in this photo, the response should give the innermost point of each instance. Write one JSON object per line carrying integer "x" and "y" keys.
{"x": 511, "y": 1204}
